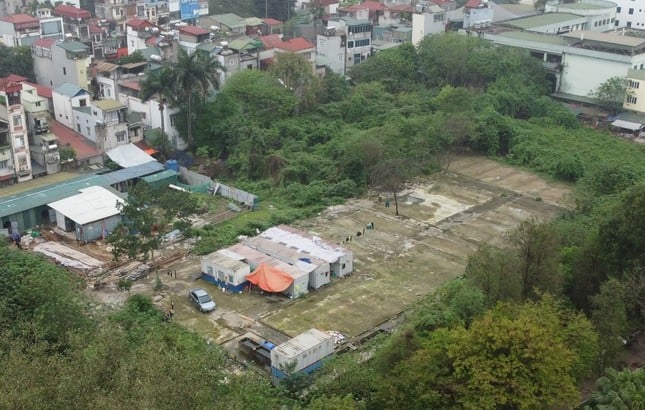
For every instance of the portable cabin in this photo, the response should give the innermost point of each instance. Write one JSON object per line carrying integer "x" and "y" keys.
{"x": 224, "y": 271}
{"x": 317, "y": 269}
{"x": 92, "y": 213}
{"x": 303, "y": 353}
{"x": 255, "y": 258}
{"x": 339, "y": 258}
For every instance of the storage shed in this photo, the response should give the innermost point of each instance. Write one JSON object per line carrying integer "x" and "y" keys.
{"x": 255, "y": 258}
{"x": 317, "y": 269}
{"x": 339, "y": 258}
{"x": 303, "y": 353}
{"x": 92, "y": 214}
{"x": 224, "y": 271}
{"x": 162, "y": 179}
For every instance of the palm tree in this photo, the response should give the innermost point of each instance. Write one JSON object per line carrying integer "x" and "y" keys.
{"x": 157, "y": 84}
{"x": 192, "y": 77}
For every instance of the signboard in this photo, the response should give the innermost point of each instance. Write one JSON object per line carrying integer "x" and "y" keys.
{"x": 189, "y": 9}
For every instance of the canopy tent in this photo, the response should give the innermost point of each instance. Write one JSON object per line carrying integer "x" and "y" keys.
{"x": 628, "y": 125}
{"x": 270, "y": 279}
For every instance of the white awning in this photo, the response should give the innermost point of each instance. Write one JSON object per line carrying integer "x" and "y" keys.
{"x": 628, "y": 125}
{"x": 89, "y": 205}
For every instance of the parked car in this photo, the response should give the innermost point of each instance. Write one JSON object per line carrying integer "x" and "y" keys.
{"x": 202, "y": 300}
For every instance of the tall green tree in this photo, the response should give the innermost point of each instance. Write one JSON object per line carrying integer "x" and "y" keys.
{"x": 295, "y": 72}
{"x": 612, "y": 93}
{"x": 620, "y": 390}
{"x": 16, "y": 60}
{"x": 156, "y": 84}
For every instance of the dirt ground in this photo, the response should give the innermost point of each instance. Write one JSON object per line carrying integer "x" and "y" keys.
{"x": 443, "y": 219}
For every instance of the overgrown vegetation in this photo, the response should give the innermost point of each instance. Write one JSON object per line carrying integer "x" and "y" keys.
{"x": 526, "y": 323}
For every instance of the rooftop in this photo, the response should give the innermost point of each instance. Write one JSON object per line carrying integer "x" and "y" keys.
{"x": 541, "y": 20}
{"x": 97, "y": 203}
{"x": 224, "y": 260}
{"x": 70, "y": 90}
{"x": 304, "y": 341}
{"x": 73, "y": 46}
{"x": 636, "y": 74}
{"x": 536, "y": 37}
{"x": 253, "y": 21}
{"x": 607, "y": 38}
{"x": 272, "y": 22}
{"x": 138, "y": 23}
{"x": 108, "y": 104}
{"x": 160, "y": 175}
{"x": 20, "y": 19}
{"x": 305, "y": 243}
{"x": 68, "y": 11}
{"x": 83, "y": 148}
{"x": 368, "y": 4}
{"x": 294, "y": 44}
{"x": 136, "y": 171}
{"x": 44, "y": 42}
{"x": 230, "y": 20}
{"x": 193, "y": 30}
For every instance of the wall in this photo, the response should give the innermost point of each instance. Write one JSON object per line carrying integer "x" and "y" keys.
{"x": 225, "y": 191}
{"x": 329, "y": 48}
{"x": 582, "y": 74}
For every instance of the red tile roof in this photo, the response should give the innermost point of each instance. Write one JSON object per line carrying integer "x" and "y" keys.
{"x": 473, "y": 4}
{"x": 138, "y": 23}
{"x": 44, "y": 42}
{"x": 371, "y": 5}
{"x": 42, "y": 90}
{"x": 95, "y": 28}
{"x": 294, "y": 44}
{"x": 84, "y": 149}
{"x": 20, "y": 19}
{"x": 193, "y": 30}
{"x": 325, "y": 2}
{"x": 402, "y": 8}
{"x": 10, "y": 84}
{"x": 15, "y": 77}
{"x": 71, "y": 12}
{"x": 440, "y": 2}
{"x": 271, "y": 22}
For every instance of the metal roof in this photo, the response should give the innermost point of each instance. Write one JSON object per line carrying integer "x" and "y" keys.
{"x": 222, "y": 259}
{"x": 73, "y": 46}
{"x": 301, "y": 343}
{"x": 44, "y": 195}
{"x": 90, "y": 205}
{"x": 70, "y": 90}
{"x": 537, "y": 37}
{"x": 241, "y": 252}
{"x": 108, "y": 104}
{"x": 608, "y": 38}
{"x": 305, "y": 243}
{"x": 129, "y": 155}
{"x": 541, "y": 20}
{"x": 230, "y": 20}
{"x": 136, "y": 171}
{"x": 160, "y": 175}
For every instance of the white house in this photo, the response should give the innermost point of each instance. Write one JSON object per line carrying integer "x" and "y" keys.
{"x": 66, "y": 98}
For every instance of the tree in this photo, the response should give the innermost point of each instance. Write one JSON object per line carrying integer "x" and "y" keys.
{"x": 612, "y": 93}
{"x": 390, "y": 175}
{"x": 16, "y": 60}
{"x": 396, "y": 69}
{"x": 295, "y": 73}
{"x": 496, "y": 273}
{"x": 135, "y": 57}
{"x": 620, "y": 390}
{"x": 157, "y": 85}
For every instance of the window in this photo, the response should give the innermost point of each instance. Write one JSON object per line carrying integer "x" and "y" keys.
{"x": 616, "y": 23}
{"x": 88, "y": 131}
{"x": 173, "y": 119}
{"x": 64, "y": 71}
{"x": 631, "y": 11}
{"x": 363, "y": 43}
{"x": 618, "y": 9}
{"x": 634, "y": 84}
{"x": 120, "y": 136}
{"x": 629, "y": 24}
{"x": 20, "y": 141}
{"x": 37, "y": 103}
{"x": 350, "y": 44}
{"x": 82, "y": 102}
{"x": 136, "y": 132}
{"x": 4, "y": 164}
{"x": 17, "y": 121}
{"x": 95, "y": 113}
{"x": 631, "y": 99}
{"x": 78, "y": 127}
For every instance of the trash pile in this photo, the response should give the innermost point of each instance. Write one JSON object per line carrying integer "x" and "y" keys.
{"x": 338, "y": 337}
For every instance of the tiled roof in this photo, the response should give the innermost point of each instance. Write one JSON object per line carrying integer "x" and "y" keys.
{"x": 83, "y": 148}
{"x": 19, "y": 19}
{"x": 15, "y": 77}
{"x": 294, "y": 44}
{"x": 473, "y": 4}
{"x": 272, "y": 22}
{"x": 65, "y": 10}
{"x": 193, "y": 30}
{"x": 44, "y": 42}
{"x": 133, "y": 85}
{"x": 401, "y": 7}
{"x": 108, "y": 104}
{"x": 94, "y": 28}
{"x": 42, "y": 90}
{"x": 371, "y": 5}
{"x": 138, "y": 23}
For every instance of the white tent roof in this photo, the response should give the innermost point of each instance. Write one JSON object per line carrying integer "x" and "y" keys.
{"x": 129, "y": 155}
{"x": 628, "y": 125}
{"x": 92, "y": 204}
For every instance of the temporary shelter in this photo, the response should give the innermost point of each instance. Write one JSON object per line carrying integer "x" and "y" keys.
{"x": 270, "y": 279}
{"x": 339, "y": 258}
{"x": 225, "y": 271}
{"x": 303, "y": 353}
{"x": 92, "y": 214}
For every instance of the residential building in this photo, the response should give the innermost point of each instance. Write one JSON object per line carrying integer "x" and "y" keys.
{"x": 66, "y": 98}
{"x": 630, "y": 14}
{"x": 191, "y": 36}
{"x": 477, "y": 13}
{"x": 57, "y": 62}
{"x": 229, "y": 23}
{"x": 429, "y": 19}
{"x": 137, "y": 32}
{"x": 43, "y": 144}
{"x": 368, "y": 10}
{"x": 50, "y": 26}
{"x": 111, "y": 10}
{"x": 635, "y": 100}
{"x": 104, "y": 122}
{"x": 346, "y": 36}
{"x": 76, "y": 21}
{"x": 19, "y": 30}
{"x": 15, "y": 157}
{"x": 274, "y": 44}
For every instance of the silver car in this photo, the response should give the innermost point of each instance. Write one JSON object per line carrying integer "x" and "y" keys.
{"x": 201, "y": 299}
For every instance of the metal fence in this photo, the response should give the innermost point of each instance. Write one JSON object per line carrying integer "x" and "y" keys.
{"x": 216, "y": 188}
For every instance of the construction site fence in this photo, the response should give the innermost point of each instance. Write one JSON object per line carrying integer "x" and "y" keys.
{"x": 195, "y": 179}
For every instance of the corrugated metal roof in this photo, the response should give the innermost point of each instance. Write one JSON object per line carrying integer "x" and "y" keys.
{"x": 90, "y": 205}
{"x": 70, "y": 90}
{"x": 168, "y": 173}
{"x": 230, "y": 20}
{"x": 136, "y": 171}
{"x": 73, "y": 46}
{"x": 44, "y": 195}
{"x": 305, "y": 243}
{"x": 257, "y": 258}
{"x": 223, "y": 260}
{"x": 301, "y": 343}
{"x": 541, "y": 20}
{"x": 129, "y": 155}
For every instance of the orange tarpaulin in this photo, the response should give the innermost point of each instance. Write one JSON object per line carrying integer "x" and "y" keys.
{"x": 270, "y": 279}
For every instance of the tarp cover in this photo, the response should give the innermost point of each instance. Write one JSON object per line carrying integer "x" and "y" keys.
{"x": 129, "y": 155}
{"x": 628, "y": 125}
{"x": 270, "y": 279}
